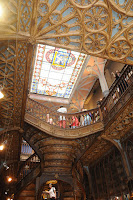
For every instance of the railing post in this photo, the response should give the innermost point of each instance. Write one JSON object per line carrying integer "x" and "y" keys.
{"x": 100, "y": 114}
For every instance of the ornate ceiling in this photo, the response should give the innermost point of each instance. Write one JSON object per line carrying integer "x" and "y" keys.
{"x": 99, "y": 28}
{"x": 102, "y": 28}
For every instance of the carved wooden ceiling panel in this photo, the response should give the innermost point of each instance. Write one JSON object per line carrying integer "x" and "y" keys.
{"x": 12, "y": 78}
{"x": 102, "y": 28}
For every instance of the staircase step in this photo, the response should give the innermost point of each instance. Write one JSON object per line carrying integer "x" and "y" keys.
{"x": 68, "y": 198}
{"x": 68, "y": 194}
{"x": 27, "y": 198}
{"x": 28, "y": 193}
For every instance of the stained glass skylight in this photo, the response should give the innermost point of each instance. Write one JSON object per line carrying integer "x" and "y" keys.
{"x": 56, "y": 71}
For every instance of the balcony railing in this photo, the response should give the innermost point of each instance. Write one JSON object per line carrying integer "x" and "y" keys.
{"x": 62, "y": 120}
{"x": 117, "y": 90}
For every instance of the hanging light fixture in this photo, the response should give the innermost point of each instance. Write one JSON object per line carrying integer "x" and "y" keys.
{"x": 5, "y": 165}
{"x": 2, "y": 146}
{"x": 9, "y": 179}
{"x": 1, "y": 94}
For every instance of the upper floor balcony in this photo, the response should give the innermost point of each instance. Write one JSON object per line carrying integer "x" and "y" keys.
{"x": 75, "y": 125}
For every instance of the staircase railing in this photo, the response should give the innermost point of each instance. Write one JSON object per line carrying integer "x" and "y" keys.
{"x": 26, "y": 149}
{"x": 73, "y": 120}
{"x": 117, "y": 90}
{"x": 27, "y": 166}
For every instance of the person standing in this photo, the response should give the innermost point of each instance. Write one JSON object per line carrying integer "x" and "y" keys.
{"x": 75, "y": 122}
{"x": 62, "y": 120}
{"x": 51, "y": 192}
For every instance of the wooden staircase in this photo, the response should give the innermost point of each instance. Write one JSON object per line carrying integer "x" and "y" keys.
{"x": 68, "y": 195}
{"x": 28, "y": 193}
{"x": 28, "y": 171}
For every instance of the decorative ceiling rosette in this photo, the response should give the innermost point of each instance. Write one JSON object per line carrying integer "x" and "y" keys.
{"x": 96, "y": 18}
{"x": 95, "y": 42}
{"x": 124, "y": 7}
{"x": 119, "y": 49}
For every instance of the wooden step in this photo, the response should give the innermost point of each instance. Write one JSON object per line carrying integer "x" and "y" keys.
{"x": 28, "y": 193}
{"x": 68, "y": 194}
{"x": 68, "y": 198}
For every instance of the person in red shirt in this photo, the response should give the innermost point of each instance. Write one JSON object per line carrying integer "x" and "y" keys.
{"x": 75, "y": 122}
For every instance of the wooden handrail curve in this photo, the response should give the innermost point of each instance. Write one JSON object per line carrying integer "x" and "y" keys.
{"x": 52, "y": 117}
{"x": 117, "y": 90}
{"x": 27, "y": 166}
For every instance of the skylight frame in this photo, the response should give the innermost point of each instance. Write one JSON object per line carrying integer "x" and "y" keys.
{"x": 43, "y": 54}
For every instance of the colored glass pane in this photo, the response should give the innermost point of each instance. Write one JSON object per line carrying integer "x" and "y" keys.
{"x": 55, "y": 71}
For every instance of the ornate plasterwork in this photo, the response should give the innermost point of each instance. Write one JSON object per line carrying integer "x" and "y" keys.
{"x": 102, "y": 28}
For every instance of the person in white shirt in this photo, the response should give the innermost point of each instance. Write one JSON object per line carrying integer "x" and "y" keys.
{"x": 62, "y": 120}
{"x": 51, "y": 192}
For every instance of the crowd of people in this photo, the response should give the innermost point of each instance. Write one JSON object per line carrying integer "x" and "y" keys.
{"x": 81, "y": 119}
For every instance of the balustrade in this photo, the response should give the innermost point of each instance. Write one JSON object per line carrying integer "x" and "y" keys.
{"x": 73, "y": 120}
{"x": 117, "y": 90}
{"x": 27, "y": 166}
